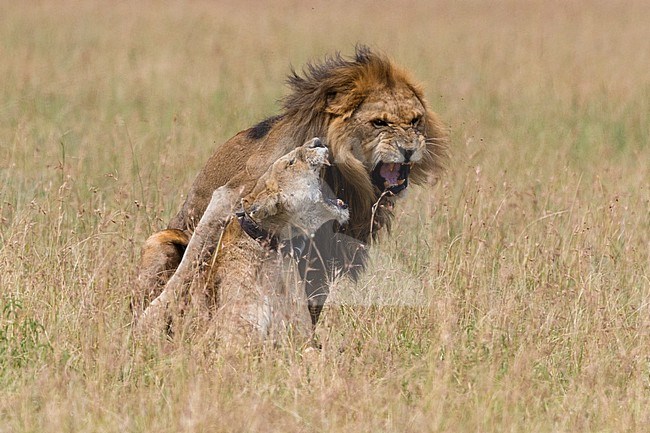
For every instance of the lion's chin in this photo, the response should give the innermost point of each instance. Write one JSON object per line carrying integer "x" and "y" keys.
{"x": 391, "y": 177}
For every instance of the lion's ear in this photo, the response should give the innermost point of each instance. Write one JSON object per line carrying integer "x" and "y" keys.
{"x": 343, "y": 102}
{"x": 330, "y": 97}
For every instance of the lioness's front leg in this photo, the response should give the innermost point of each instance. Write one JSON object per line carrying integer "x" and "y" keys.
{"x": 200, "y": 248}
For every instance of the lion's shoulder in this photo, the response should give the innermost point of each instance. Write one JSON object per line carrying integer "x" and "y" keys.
{"x": 262, "y": 129}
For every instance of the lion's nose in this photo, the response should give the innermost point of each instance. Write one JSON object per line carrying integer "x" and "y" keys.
{"x": 407, "y": 154}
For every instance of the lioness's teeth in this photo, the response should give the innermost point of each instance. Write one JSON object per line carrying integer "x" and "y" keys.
{"x": 401, "y": 181}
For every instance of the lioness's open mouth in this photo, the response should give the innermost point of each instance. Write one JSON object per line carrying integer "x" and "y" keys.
{"x": 337, "y": 203}
{"x": 337, "y": 207}
{"x": 391, "y": 176}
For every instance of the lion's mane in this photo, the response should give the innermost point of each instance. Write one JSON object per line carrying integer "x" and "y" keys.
{"x": 323, "y": 99}
{"x": 322, "y": 103}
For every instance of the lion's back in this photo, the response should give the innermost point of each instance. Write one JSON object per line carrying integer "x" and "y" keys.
{"x": 226, "y": 165}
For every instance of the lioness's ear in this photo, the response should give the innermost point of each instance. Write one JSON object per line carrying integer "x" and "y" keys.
{"x": 263, "y": 206}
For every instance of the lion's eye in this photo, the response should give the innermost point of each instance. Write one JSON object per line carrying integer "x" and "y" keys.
{"x": 379, "y": 123}
{"x": 415, "y": 121}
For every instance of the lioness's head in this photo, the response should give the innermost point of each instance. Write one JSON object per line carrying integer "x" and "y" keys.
{"x": 377, "y": 124}
{"x": 290, "y": 199}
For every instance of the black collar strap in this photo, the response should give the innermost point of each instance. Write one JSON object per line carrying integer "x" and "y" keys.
{"x": 293, "y": 247}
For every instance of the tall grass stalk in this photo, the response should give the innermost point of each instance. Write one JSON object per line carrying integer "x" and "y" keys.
{"x": 513, "y": 296}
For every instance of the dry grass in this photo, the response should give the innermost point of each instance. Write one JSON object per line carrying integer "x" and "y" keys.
{"x": 515, "y": 296}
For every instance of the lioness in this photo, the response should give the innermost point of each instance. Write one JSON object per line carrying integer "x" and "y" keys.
{"x": 251, "y": 283}
{"x": 382, "y": 137}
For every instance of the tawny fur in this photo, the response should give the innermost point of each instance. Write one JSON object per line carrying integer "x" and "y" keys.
{"x": 246, "y": 291}
{"x": 340, "y": 101}
{"x": 161, "y": 255}
{"x": 192, "y": 270}
{"x": 260, "y": 295}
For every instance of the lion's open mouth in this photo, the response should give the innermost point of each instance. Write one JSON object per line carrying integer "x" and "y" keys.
{"x": 391, "y": 176}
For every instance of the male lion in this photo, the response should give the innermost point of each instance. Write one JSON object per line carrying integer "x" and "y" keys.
{"x": 250, "y": 287}
{"x": 382, "y": 137}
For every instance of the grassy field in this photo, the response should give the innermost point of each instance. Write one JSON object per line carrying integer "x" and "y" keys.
{"x": 513, "y": 297}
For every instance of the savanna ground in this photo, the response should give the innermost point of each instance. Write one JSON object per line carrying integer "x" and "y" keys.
{"x": 513, "y": 296}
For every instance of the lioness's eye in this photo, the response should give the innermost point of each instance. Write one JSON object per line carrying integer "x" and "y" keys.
{"x": 415, "y": 121}
{"x": 379, "y": 123}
